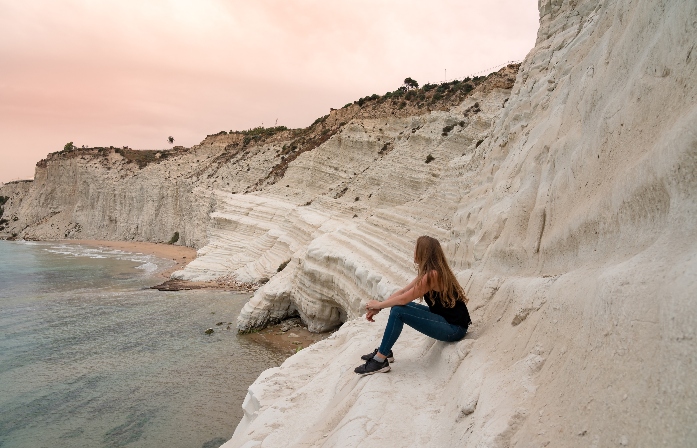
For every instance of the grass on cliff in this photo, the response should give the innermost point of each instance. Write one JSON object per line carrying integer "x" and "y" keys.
{"x": 256, "y": 134}
{"x": 141, "y": 157}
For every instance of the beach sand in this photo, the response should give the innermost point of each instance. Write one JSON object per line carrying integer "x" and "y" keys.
{"x": 181, "y": 255}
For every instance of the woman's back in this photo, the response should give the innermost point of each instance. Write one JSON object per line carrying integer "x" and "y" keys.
{"x": 457, "y": 315}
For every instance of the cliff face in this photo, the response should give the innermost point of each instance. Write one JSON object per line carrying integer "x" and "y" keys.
{"x": 121, "y": 194}
{"x": 565, "y": 202}
{"x": 572, "y": 227}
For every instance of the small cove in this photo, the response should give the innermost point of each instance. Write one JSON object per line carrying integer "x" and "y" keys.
{"x": 89, "y": 357}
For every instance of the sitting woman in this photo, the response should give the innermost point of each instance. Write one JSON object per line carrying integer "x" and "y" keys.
{"x": 446, "y": 318}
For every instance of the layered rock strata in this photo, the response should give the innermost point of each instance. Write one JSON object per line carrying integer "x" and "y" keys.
{"x": 575, "y": 236}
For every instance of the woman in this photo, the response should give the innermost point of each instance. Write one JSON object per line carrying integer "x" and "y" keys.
{"x": 446, "y": 318}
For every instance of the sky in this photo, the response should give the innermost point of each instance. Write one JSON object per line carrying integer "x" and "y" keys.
{"x": 131, "y": 73}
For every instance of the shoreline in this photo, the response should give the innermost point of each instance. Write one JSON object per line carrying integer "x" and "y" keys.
{"x": 181, "y": 255}
{"x": 289, "y": 335}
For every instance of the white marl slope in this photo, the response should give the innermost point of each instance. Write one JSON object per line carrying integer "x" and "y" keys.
{"x": 363, "y": 207}
{"x": 575, "y": 237}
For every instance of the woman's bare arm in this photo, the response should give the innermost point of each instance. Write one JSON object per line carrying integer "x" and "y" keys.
{"x": 405, "y": 289}
{"x": 408, "y": 294}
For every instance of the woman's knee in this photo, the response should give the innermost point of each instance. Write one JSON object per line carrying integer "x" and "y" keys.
{"x": 397, "y": 310}
{"x": 459, "y": 334}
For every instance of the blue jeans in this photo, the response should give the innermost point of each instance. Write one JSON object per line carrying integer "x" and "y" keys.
{"x": 421, "y": 319}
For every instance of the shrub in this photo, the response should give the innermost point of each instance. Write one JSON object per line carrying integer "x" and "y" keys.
{"x": 319, "y": 120}
{"x": 466, "y": 87}
{"x": 411, "y": 84}
{"x": 68, "y": 146}
{"x": 410, "y": 95}
{"x": 4, "y": 199}
{"x": 174, "y": 238}
{"x": 428, "y": 87}
{"x": 430, "y": 158}
{"x": 403, "y": 104}
{"x": 347, "y": 105}
{"x": 283, "y": 265}
{"x": 436, "y": 97}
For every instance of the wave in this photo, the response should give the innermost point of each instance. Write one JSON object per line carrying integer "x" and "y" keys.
{"x": 147, "y": 263}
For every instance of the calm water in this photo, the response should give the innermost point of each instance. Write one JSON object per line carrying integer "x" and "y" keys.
{"x": 90, "y": 358}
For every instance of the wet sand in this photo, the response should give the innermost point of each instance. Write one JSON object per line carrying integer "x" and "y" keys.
{"x": 181, "y": 255}
{"x": 290, "y": 341}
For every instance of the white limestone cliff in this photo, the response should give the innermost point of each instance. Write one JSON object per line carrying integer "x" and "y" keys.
{"x": 573, "y": 230}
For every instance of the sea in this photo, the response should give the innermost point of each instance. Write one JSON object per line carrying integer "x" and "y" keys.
{"x": 91, "y": 357}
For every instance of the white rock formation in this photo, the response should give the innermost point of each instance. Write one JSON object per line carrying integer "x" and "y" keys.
{"x": 575, "y": 236}
{"x": 369, "y": 193}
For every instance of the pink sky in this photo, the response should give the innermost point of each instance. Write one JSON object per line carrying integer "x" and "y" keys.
{"x": 102, "y": 73}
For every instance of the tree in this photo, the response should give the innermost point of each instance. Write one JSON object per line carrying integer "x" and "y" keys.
{"x": 170, "y": 139}
{"x": 68, "y": 146}
{"x": 411, "y": 84}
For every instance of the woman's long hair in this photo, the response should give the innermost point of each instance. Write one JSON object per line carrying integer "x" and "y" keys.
{"x": 429, "y": 257}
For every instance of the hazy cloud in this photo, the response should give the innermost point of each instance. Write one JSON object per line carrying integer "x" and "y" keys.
{"x": 132, "y": 73}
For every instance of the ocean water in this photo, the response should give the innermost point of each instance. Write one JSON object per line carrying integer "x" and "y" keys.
{"x": 89, "y": 357}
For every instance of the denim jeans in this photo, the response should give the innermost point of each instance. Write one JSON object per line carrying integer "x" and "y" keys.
{"x": 421, "y": 319}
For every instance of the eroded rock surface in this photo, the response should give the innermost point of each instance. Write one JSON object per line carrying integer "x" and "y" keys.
{"x": 572, "y": 227}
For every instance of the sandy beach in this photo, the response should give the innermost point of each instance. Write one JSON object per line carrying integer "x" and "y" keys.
{"x": 181, "y": 255}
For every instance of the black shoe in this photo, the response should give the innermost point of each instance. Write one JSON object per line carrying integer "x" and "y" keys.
{"x": 372, "y": 366}
{"x": 389, "y": 357}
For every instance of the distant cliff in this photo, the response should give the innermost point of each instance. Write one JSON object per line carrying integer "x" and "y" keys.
{"x": 122, "y": 194}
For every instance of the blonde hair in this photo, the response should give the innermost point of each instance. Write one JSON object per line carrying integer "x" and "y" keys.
{"x": 429, "y": 257}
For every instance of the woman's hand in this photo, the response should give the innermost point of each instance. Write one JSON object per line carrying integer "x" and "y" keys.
{"x": 373, "y": 305}
{"x": 369, "y": 315}
{"x": 372, "y": 308}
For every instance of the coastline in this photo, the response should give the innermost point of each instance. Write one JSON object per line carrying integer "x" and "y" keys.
{"x": 289, "y": 335}
{"x": 181, "y": 255}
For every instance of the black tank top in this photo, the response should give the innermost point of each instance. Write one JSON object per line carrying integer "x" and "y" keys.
{"x": 457, "y": 315}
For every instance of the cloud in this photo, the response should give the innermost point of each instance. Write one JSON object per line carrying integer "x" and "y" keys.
{"x": 132, "y": 73}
